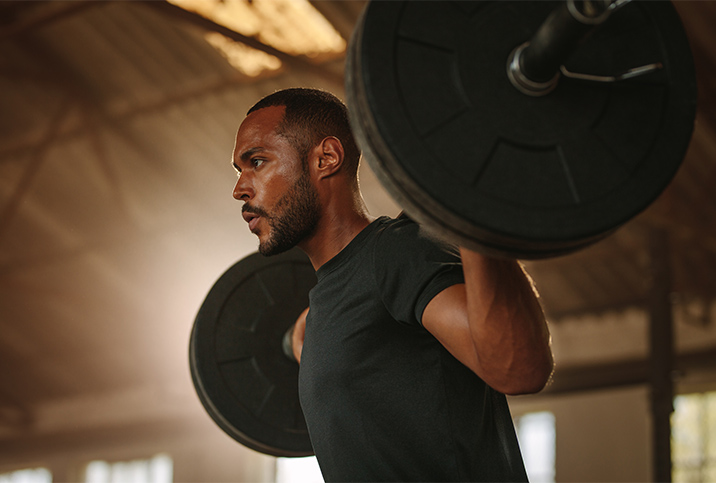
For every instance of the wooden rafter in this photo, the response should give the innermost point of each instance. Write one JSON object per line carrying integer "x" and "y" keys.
{"x": 630, "y": 372}
{"x": 299, "y": 63}
{"x": 34, "y": 164}
{"x": 45, "y": 16}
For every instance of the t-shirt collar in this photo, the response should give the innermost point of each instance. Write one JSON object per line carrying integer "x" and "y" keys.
{"x": 349, "y": 249}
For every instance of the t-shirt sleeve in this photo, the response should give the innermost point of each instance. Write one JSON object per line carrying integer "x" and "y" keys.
{"x": 412, "y": 267}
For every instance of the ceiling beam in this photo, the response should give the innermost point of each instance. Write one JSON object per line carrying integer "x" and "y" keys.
{"x": 14, "y": 416}
{"x": 54, "y": 126}
{"x": 586, "y": 309}
{"x": 341, "y": 14}
{"x": 610, "y": 375}
{"x": 28, "y": 445}
{"x": 299, "y": 63}
{"x": 45, "y": 16}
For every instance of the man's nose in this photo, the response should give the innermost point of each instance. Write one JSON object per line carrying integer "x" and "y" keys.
{"x": 242, "y": 189}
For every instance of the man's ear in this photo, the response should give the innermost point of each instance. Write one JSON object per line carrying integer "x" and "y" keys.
{"x": 328, "y": 157}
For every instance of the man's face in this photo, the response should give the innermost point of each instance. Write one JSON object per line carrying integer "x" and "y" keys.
{"x": 280, "y": 203}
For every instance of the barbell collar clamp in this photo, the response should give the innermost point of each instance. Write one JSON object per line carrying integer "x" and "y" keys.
{"x": 524, "y": 84}
{"x": 534, "y": 67}
{"x": 629, "y": 74}
{"x": 592, "y": 12}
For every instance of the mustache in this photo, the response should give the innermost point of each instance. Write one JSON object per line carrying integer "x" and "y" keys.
{"x": 255, "y": 210}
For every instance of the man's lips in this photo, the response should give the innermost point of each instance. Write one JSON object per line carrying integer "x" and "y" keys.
{"x": 251, "y": 218}
{"x": 252, "y": 215}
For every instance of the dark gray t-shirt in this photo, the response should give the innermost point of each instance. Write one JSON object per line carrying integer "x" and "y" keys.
{"x": 383, "y": 399}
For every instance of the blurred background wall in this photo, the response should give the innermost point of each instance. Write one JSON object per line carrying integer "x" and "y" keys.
{"x": 117, "y": 122}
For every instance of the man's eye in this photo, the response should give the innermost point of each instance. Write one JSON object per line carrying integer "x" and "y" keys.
{"x": 257, "y": 162}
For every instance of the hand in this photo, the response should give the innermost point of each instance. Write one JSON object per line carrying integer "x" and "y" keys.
{"x": 299, "y": 332}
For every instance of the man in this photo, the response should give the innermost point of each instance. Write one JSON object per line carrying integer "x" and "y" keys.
{"x": 409, "y": 344}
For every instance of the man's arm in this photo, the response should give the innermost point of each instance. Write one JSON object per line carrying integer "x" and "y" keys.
{"x": 494, "y": 325}
{"x": 298, "y": 334}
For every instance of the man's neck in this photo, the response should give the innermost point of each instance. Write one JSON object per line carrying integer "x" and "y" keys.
{"x": 334, "y": 232}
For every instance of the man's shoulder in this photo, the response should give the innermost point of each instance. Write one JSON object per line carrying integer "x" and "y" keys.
{"x": 402, "y": 228}
{"x": 401, "y": 236}
{"x": 401, "y": 225}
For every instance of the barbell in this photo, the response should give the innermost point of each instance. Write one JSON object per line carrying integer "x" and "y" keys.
{"x": 441, "y": 117}
{"x": 245, "y": 379}
{"x": 519, "y": 129}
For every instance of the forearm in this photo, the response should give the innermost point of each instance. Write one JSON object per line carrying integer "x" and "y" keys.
{"x": 507, "y": 325}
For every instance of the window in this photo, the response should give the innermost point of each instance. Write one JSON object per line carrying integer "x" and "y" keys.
{"x": 158, "y": 469}
{"x": 536, "y": 435}
{"x": 298, "y": 470}
{"x": 693, "y": 438}
{"x": 292, "y": 26}
{"x": 34, "y": 475}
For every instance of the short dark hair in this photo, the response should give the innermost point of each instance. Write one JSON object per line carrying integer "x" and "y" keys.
{"x": 310, "y": 116}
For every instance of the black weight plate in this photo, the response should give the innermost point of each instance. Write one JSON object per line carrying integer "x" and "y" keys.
{"x": 464, "y": 152}
{"x": 244, "y": 380}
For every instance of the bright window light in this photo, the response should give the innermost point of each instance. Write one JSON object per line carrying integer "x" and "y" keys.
{"x": 693, "y": 438}
{"x": 291, "y": 26}
{"x": 158, "y": 469}
{"x": 34, "y": 475}
{"x": 536, "y": 435}
{"x": 298, "y": 470}
{"x": 243, "y": 58}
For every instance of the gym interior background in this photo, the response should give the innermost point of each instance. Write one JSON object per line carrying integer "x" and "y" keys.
{"x": 116, "y": 217}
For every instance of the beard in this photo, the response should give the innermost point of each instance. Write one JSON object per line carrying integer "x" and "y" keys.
{"x": 295, "y": 217}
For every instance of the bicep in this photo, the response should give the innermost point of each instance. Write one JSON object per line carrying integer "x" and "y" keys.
{"x": 445, "y": 317}
{"x": 498, "y": 333}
